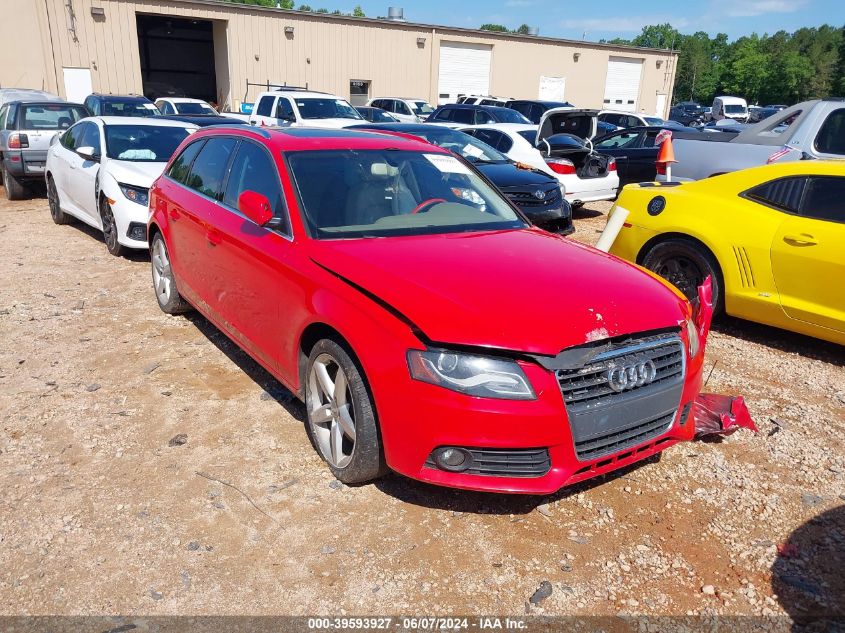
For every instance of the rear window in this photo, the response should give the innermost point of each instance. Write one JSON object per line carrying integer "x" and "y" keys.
{"x": 194, "y": 108}
{"x": 326, "y": 109}
{"x": 506, "y": 115}
{"x": 51, "y": 117}
{"x": 831, "y": 137}
{"x": 130, "y": 108}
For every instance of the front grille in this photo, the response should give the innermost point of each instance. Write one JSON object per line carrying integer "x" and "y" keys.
{"x": 605, "y": 419}
{"x": 505, "y": 462}
{"x": 528, "y": 199}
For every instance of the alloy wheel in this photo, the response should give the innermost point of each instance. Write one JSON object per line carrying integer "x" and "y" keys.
{"x": 331, "y": 411}
{"x": 162, "y": 273}
{"x": 109, "y": 227}
{"x": 53, "y": 201}
{"x": 683, "y": 273}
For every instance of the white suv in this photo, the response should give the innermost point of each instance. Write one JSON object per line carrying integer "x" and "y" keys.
{"x": 406, "y": 110}
{"x": 295, "y": 107}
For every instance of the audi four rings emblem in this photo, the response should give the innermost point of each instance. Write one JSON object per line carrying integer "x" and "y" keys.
{"x": 631, "y": 376}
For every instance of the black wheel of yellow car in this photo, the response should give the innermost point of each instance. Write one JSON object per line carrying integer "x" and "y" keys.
{"x": 686, "y": 264}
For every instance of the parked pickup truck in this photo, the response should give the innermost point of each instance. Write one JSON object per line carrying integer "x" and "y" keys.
{"x": 809, "y": 130}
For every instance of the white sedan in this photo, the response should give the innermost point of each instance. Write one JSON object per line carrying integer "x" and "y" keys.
{"x": 184, "y": 105}
{"x": 585, "y": 175}
{"x": 100, "y": 171}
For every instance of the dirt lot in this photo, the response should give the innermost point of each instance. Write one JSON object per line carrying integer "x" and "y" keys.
{"x": 100, "y": 515}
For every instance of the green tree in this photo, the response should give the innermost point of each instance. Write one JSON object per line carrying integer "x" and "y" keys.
{"x": 321, "y": 10}
{"x": 358, "y": 12}
{"x": 657, "y": 36}
{"x": 305, "y": 7}
{"x": 523, "y": 29}
{"x": 498, "y": 28}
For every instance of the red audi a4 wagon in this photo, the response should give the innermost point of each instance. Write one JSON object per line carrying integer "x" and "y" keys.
{"x": 426, "y": 325}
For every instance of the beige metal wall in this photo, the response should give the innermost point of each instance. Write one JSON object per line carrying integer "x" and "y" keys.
{"x": 324, "y": 52}
{"x": 22, "y": 63}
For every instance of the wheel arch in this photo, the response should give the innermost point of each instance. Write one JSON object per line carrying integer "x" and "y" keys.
{"x": 314, "y": 332}
{"x": 698, "y": 243}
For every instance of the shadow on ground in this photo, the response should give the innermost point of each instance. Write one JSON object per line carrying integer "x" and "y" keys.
{"x": 808, "y": 576}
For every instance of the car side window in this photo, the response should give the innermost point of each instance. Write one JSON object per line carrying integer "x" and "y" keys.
{"x": 444, "y": 115}
{"x": 265, "y": 105}
{"x": 3, "y": 112}
{"x": 783, "y": 194}
{"x": 623, "y": 139}
{"x": 402, "y": 108}
{"x": 831, "y": 136}
{"x": 91, "y": 105}
{"x": 70, "y": 139}
{"x": 90, "y": 137}
{"x": 254, "y": 170}
{"x": 482, "y": 117}
{"x": 491, "y": 137}
{"x": 284, "y": 110}
{"x": 535, "y": 113}
{"x": 209, "y": 168}
{"x": 504, "y": 144}
{"x": 631, "y": 121}
{"x": 180, "y": 167}
{"x": 168, "y": 108}
{"x": 462, "y": 116}
{"x": 649, "y": 137}
{"x": 11, "y": 115}
{"x": 823, "y": 199}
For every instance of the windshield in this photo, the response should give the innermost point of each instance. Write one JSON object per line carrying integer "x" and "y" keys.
{"x": 129, "y": 108}
{"x": 319, "y": 108}
{"x": 381, "y": 193}
{"x": 51, "y": 117}
{"x": 653, "y": 120}
{"x": 421, "y": 107}
{"x": 735, "y": 109}
{"x": 143, "y": 143}
{"x": 506, "y": 115}
{"x": 194, "y": 108}
{"x": 380, "y": 116}
{"x": 469, "y": 147}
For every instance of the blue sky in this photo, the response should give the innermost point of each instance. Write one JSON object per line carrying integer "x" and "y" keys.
{"x": 618, "y": 18}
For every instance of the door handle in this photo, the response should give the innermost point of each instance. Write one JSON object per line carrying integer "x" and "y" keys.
{"x": 804, "y": 239}
{"x": 213, "y": 236}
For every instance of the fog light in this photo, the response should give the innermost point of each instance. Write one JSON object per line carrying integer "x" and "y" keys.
{"x": 453, "y": 459}
{"x": 137, "y": 231}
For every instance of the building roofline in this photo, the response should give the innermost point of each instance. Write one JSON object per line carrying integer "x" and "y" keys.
{"x": 236, "y": 6}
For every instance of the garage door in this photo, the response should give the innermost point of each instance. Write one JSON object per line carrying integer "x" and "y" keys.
{"x": 464, "y": 70}
{"x": 623, "y": 84}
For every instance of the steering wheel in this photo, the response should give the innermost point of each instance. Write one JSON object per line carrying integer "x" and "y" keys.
{"x": 427, "y": 203}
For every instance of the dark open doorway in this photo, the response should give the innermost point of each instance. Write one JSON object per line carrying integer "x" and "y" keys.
{"x": 177, "y": 57}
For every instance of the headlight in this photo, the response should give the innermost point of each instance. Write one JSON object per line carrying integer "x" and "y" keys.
{"x": 473, "y": 375}
{"x": 694, "y": 345}
{"x": 138, "y": 195}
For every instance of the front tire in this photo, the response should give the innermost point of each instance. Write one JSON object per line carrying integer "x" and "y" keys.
{"x": 686, "y": 265}
{"x": 164, "y": 282}
{"x": 59, "y": 216}
{"x": 110, "y": 231}
{"x": 341, "y": 419}
{"x": 15, "y": 189}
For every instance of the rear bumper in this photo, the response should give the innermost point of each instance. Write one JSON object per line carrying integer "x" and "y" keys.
{"x": 25, "y": 164}
{"x": 580, "y": 190}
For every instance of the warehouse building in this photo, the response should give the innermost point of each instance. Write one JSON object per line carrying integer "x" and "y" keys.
{"x": 214, "y": 50}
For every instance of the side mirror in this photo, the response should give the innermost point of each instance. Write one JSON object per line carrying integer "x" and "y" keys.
{"x": 88, "y": 153}
{"x": 256, "y": 207}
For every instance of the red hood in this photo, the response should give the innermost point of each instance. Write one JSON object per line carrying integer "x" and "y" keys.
{"x": 523, "y": 290}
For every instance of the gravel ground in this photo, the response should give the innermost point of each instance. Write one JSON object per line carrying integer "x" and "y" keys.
{"x": 149, "y": 467}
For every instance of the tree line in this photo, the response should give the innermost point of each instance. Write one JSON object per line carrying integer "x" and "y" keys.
{"x": 783, "y": 68}
{"x": 357, "y": 12}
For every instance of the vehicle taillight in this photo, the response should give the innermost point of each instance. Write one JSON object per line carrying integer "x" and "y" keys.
{"x": 611, "y": 166}
{"x": 661, "y": 169}
{"x": 561, "y": 166}
{"x": 18, "y": 141}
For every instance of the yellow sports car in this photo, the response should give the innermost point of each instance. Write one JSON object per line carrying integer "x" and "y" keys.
{"x": 772, "y": 238}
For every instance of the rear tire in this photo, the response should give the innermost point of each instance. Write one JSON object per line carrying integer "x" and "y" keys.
{"x": 59, "y": 216}
{"x": 341, "y": 420}
{"x": 110, "y": 231}
{"x": 15, "y": 189}
{"x": 686, "y": 265}
{"x": 164, "y": 282}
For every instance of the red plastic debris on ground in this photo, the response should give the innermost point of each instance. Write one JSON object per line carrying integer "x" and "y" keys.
{"x": 716, "y": 414}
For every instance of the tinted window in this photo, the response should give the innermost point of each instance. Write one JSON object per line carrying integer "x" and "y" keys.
{"x": 504, "y": 115}
{"x": 649, "y": 138}
{"x": 194, "y": 108}
{"x": 784, "y": 193}
{"x": 401, "y": 108}
{"x": 831, "y": 137}
{"x": 521, "y": 107}
{"x": 482, "y": 117}
{"x": 92, "y": 104}
{"x": 70, "y": 139}
{"x": 181, "y": 166}
{"x": 3, "y": 112}
{"x": 443, "y": 115}
{"x": 265, "y": 106}
{"x": 51, "y": 117}
{"x": 284, "y": 110}
{"x": 90, "y": 137}
{"x": 823, "y": 200}
{"x": 253, "y": 170}
{"x": 133, "y": 107}
{"x": 209, "y": 168}
{"x": 464, "y": 116}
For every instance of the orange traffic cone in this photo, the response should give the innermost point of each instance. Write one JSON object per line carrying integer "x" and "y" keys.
{"x": 666, "y": 153}
{"x": 665, "y": 158}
